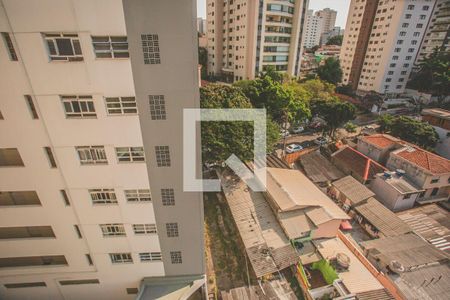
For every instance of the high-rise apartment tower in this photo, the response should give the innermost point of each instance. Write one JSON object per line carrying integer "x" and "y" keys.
{"x": 91, "y": 110}
{"x": 247, "y": 36}
{"x": 381, "y": 41}
{"x": 329, "y": 18}
{"x": 313, "y": 29}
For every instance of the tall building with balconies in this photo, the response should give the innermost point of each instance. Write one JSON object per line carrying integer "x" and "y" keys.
{"x": 329, "y": 18}
{"x": 438, "y": 30}
{"x": 313, "y": 29}
{"x": 92, "y": 204}
{"x": 381, "y": 42}
{"x": 247, "y": 36}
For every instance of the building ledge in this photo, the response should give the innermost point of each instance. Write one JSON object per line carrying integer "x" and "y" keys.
{"x": 171, "y": 287}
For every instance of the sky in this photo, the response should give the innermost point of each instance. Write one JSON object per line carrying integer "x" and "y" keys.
{"x": 341, "y": 6}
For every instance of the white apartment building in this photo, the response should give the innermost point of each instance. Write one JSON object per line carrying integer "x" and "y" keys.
{"x": 381, "y": 42}
{"x": 91, "y": 191}
{"x": 438, "y": 30}
{"x": 247, "y": 36}
{"x": 313, "y": 29}
{"x": 329, "y": 18}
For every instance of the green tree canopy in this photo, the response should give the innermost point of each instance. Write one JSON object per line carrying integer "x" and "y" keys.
{"x": 410, "y": 130}
{"x": 335, "y": 40}
{"x": 434, "y": 75}
{"x": 331, "y": 71}
{"x": 221, "y": 139}
{"x": 318, "y": 89}
{"x": 335, "y": 112}
{"x": 279, "y": 99}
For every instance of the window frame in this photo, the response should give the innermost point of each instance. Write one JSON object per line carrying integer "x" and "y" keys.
{"x": 85, "y": 103}
{"x": 115, "y": 53}
{"x": 122, "y": 106}
{"x": 150, "y": 256}
{"x": 93, "y": 155}
{"x": 113, "y": 230}
{"x": 144, "y": 229}
{"x": 74, "y": 43}
{"x": 121, "y": 258}
{"x": 107, "y": 196}
{"x": 130, "y": 154}
{"x": 140, "y": 195}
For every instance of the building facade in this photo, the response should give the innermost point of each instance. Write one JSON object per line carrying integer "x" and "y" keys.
{"x": 381, "y": 42}
{"x": 440, "y": 120}
{"x": 438, "y": 30}
{"x": 91, "y": 190}
{"x": 313, "y": 29}
{"x": 247, "y": 36}
{"x": 201, "y": 26}
{"x": 328, "y": 16}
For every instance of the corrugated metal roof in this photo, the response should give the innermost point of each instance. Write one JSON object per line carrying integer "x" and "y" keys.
{"x": 382, "y": 294}
{"x": 382, "y": 218}
{"x": 353, "y": 189}
{"x": 318, "y": 168}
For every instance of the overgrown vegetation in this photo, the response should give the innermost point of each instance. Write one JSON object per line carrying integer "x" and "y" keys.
{"x": 335, "y": 40}
{"x": 328, "y": 273}
{"x": 410, "y": 130}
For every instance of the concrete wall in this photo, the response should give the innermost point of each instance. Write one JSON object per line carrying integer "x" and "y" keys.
{"x": 326, "y": 230}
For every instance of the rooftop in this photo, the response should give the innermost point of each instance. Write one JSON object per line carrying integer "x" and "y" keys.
{"x": 353, "y": 189}
{"x": 400, "y": 183}
{"x": 430, "y": 222}
{"x": 380, "y": 140}
{"x": 357, "y": 279}
{"x": 382, "y": 218}
{"x": 291, "y": 190}
{"x": 170, "y": 287}
{"x": 428, "y": 161}
{"x": 360, "y": 164}
{"x": 318, "y": 168}
{"x": 437, "y": 112}
{"x": 409, "y": 250}
{"x": 267, "y": 247}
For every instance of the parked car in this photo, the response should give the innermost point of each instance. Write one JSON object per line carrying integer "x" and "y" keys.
{"x": 298, "y": 129}
{"x": 285, "y": 133}
{"x": 293, "y": 148}
{"x": 321, "y": 140}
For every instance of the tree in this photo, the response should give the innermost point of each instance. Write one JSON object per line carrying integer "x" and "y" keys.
{"x": 433, "y": 75}
{"x": 410, "y": 130}
{"x": 318, "y": 89}
{"x": 345, "y": 90}
{"x": 203, "y": 60}
{"x": 273, "y": 74}
{"x": 334, "y": 112}
{"x": 350, "y": 127}
{"x": 331, "y": 71}
{"x": 221, "y": 139}
{"x": 314, "y": 48}
{"x": 335, "y": 40}
{"x": 279, "y": 99}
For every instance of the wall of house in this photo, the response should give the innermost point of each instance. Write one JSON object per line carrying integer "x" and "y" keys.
{"x": 390, "y": 197}
{"x": 327, "y": 230}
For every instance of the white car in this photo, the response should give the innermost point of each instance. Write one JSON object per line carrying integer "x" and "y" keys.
{"x": 321, "y": 141}
{"x": 298, "y": 129}
{"x": 293, "y": 148}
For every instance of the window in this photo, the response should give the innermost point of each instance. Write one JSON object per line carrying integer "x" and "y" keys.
{"x": 410, "y": 7}
{"x": 26, "y": 232}
{"x": 28, "y": 261}
{"x": 150, "y": 48}
{"x": 10, "y": 157}
{"x": 19, "y": 198}
{"x": 141, "y": 229}
{"x": 24, "y": 285}
{"x": 162, "y": 156}
{"x": 408, "y": 57}
{"x": 121, "y": 258}
{"x": 157, "y": 107}
{"x": 395, "y": 57}
{"x": 407, "y": 196}
{"x": 436, "y": 180}
{"x": 150, "y": 256}
{"x": 89, "y": 155}
{"x": 1, "y": 116}
{"x": 405, "y": 65}
{"x": 392, "y": 65}
{"x": 397, "y": 49}
{"x": 130, "y": 154}
{"x": 425, "y": 7}
{"x": 89, "y": 259}
{"x": 50, "y": 157}
{"x": 132, "y": 291}
{"x": 103, "y": 196}
{"x": 138, "y": 195}
{"x": 419, "y": 25}
{"x": 78, "y": 231}
{"x": 79, "y": 106}
{"x": 408, "y": 16}
{"x": 121, "y": 105}
{"x": 65, "y": 197}
{"x": 388, "y": 79}
{"x": 113, "y": 229}
{"x": 399, "y": 42}
{"x": 31, "y": 107}
{"x": 405, "y": 25}
{"x": 423, "y": 17}
{"x": 434, "y": 192}
{"x": 422, "y": 194}
{"x": 172, "y": 229}
{"x": 402, "y": 33}
{"x": 110, "y": 46}
{"x": 63, "y": 46}
{"x": 80, "y": 281}
{"x": 168, "y": 197}
{"x": 175, "y": 257}
{"x": 10, "y": 46}
{"x": 410, "y": 50}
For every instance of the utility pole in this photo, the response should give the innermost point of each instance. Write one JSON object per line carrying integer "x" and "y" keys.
{"x": 285, "y": 119}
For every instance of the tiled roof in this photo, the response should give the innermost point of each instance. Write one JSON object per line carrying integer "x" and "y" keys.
{"x": 437, "y": 112}
{"x": 424, "y": 159}
{"x": 380, "y": 140}
{"x": 358, "y": 162}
